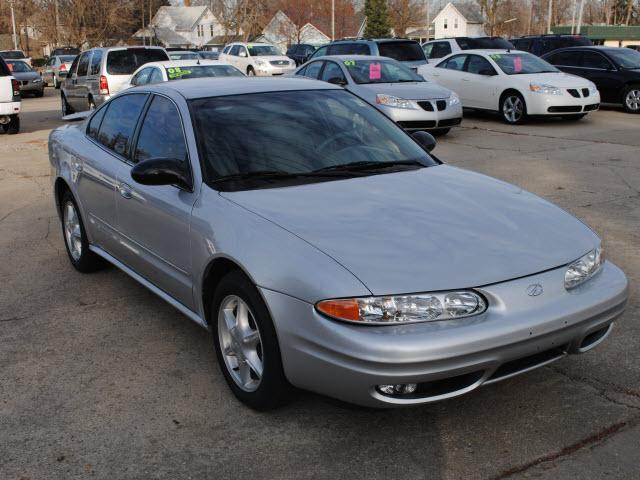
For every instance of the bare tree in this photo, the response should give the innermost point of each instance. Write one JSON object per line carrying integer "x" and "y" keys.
{"x": 405, "y": 14}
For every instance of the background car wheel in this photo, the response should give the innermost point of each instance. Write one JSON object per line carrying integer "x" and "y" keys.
{"x": 91, "y": 105}
{"x": 251, "y": 72}
{"x": 75, "y": 238}
{"x": 66, "y": 108}
{"x": 56, "y": 85}
{"x": 513, "y": 108}
{"x": 13, "y": 126}
{"x": 440, "y": 131}
{"x": 631, "y": 99}
{"x": 246, "y": 344}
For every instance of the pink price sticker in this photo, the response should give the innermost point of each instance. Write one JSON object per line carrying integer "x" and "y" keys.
{"x": 517, "y": 64}
{"x": 374, "y": 71}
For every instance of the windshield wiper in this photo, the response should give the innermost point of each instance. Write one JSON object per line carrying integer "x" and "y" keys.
{"x": 273, "y": 175}
{"x": 369, "y": 165}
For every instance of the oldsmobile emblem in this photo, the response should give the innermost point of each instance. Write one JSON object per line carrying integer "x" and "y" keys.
{"x": 534, "y": 290}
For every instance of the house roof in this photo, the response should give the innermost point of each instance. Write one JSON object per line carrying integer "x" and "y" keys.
{"x": 184, "y": 18}
{"x": 169, "y": 37}
{"x": 470, "y": 12}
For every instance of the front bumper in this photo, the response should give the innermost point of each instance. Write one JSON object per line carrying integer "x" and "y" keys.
{"x": 421, "y": 119}
{"x": 447, "y": 358}
{"x": 9, "y": 108}
{"x": 565, "y": 104}
{"x": 270, "y": 70}
{"x": 29, "y": 86}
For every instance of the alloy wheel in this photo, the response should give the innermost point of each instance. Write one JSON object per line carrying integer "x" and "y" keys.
{"x": 72, "y": 231}
{"x": 633, "y": 100}
{"x": 240, "y": 343}
{"x": 513, "y": 109}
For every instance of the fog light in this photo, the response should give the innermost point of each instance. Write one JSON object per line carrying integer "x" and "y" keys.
{"x": 399, "y": 389}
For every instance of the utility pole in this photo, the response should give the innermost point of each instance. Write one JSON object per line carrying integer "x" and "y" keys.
{"x": 144, "y": 38}
{"x": 428, "y": 20}
{"x": 580, "y": 17}
{"x": 13, "y": 23}
{"x": 573, "y": 17}
{"x": 57, "y": 23}
{"x": 549, "y": 16}
{"x": 333, "y": 19}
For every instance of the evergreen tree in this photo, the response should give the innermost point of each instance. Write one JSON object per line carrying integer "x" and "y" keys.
{"x": 377, "y": 19}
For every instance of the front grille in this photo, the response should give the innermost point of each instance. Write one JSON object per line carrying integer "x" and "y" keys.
{"x": 585, "y": 92}
{"x": 279, "y": 63}
{"x": 426, "y": 105}
{"x": 563, "y": 109}
{"x": 442, "y": 104}
{"x": 417, "y": 124}
{"x": 450, "y": 122}
{"x": 592, "y": 107}
{"x": 527, "y": 363}
{"x": 573, "y": 92}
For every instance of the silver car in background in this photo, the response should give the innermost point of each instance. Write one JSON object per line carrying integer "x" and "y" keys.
{"x": 156, "y": 72}
{"x": 393, "y": 88}
{"x": 30, "y": 80}
{"x": 56, "y": 69}
{"x": 323, "y": 246}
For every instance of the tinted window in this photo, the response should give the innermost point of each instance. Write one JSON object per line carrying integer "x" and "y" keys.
{"x": 569, "y": 59}
{"x": 96, "y": 62}
{"x": 401, "y": 51}
{"x": 522, "y": 44}
{"x": 321, "y": 51}
{"x": 156, "y": 76}
{"x": 313, "y": 70}
{"x": 454, "y": 63}
{"x": 96, "y": 120}
{"x": 332, "y": 127}
{"x": 226, "y": 49}
{"x": 349, "y": 49}
{"x": 125, "y": 62}
{"x": 380, "y": 71}
{"x": 199, "y": 71}
{"x": 161, "y": 134}
{"x": 332, "y": 70}
{"x": 142, "y": 77}
{"x": 484, "y": 43}
{"x": 119, "y": 122}
{"x": 625, "y": 58}
{"x": 521, "y": 63}
{"x": 234, "y": 50}
{"x": 4, "y": 70}
{"x": 74, "y": 65}
{"x": 595, "y": 60}
{"x": 479, "y": 65}
{"x": 263, "y": 50}
{"x": 427, "y": 49}
{"x": 83, "y": 65}
{"x": 440, "y": 49}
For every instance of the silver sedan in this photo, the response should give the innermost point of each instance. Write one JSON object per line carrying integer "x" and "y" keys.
{"x": 323, "y": 246}
{"x": 395, "y": 89}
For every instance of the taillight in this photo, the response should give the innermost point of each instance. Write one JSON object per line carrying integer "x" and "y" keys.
{"x": 104, "y": 85}
{"x": 63, "y": 67}
{"x": 15, "y": 84}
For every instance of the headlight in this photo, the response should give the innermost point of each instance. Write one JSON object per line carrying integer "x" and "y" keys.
{"x": 544, "y": 88}
{"x": 425, "y": 307}
{"x": 454, "y": 99}
{"x": 396, "y": 102}
{"x": 260, "y": 62}
{"x": 37, "y": 80}
{"x": 592, "y": 89}
{"x": 584, "y": 268}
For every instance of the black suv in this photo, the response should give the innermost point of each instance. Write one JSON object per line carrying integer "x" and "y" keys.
{"x": 405, "y": 51}
{"x": 300, "y": 52}
{"x": 615, "y": 71}
{"x": 541, "y": 44}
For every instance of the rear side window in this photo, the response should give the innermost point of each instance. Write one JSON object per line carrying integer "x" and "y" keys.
{"x": 568, "y": 59}
{"x": 235, "y": 50}
{"x": 96, "y": 120}
{"x": 313, "y": 69}
{"x": 595, "y": 60}
{"x": 320, "y": 52}
{"x": 466, "y": 43}
{"x": 83, "y": 65}
{"x": 4, "y": 70}
{"x": 349, "y": 49}
{"x": 161, "y": 135}
{"x": 125, "y": 62}
{"x": 74, "y": 65}
{"x": 332, "y": 70}
{"x": 119, "y": 122}
{"x": 454, "y": 63}
{"x": 479, "y": 66}
{"x": 96, "y": 61}
{"x": 402, "y": 51}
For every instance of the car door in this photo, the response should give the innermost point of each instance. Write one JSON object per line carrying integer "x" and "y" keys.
{"x": 234, "y": 59}
{"x": 244, "y": 60}
{"x": 478, "y": 83}
{"x": 69, "y": 87}
{"x": 47, "y": 74}
{"x": 153, "y": 220}
{"x": 599, "y": 69}
{"x": 79, "y": 101}
{"x": 450, "y": 71}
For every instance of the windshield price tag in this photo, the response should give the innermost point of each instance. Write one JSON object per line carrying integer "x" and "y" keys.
{"x": 177, "y": 72}
{"x": 375, "y": 71}
{"x": 495, "y": 56}
{"x": 517, "y": 64}
{"x": 350, "y": 63}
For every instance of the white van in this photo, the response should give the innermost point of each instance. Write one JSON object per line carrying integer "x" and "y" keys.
{"x": 9, "y": 100}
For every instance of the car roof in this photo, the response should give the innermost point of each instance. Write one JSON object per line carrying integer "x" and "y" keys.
{"x": 352, "y": 57}
{"x": 221, "y": 86}
{"x": 600, "y": 48}
{"x": 184, "y": 63}
{"x": 251, "y": 43}
{"x": 364, "y": 40}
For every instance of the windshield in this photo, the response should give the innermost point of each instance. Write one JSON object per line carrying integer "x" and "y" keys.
{"x": 380, "y": 71}
{"x": 15, "y": 54}
{"x": 210, "y": 55}
{"x": 262, "y": 50}
{"x": 297, "y": 133}
{"x": 521, "y": 63}
{"x": 199, "y": 71}
{"x": 402, "y": 51}
{"x": 625, "y": 58}
{"x": 19, "y": 67}
{"x": 483, "y": 43}
{"x": 67, "y": 58}
{"x": 125, "y": 62}
{"x": 184, "y": 56}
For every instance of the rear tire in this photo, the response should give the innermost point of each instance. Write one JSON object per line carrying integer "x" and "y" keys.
{"x": 75, "y": 237}
{"x": 13, "y": 126}
{"x": 513, "y": 108}
{"x": 66, "y": 108}
{"x": 91, "y": 105}
{"x": 631, "y": 99}
{"x": 245, "y": 342}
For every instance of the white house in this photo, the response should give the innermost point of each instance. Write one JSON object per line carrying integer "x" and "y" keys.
{"x": 282, "y": 32}
{"x": 459, "y": 19}
{"x": 187, "y": 27}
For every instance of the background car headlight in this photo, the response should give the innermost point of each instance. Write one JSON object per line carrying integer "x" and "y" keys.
{"x": 544, "y": 88}
{"x": 396, "y": 102}
{"x": 584, "y": 268}
{"x": 593, "y": 89}
{"x": 260, "y": 62}
{"x": 454, "y": 99}
{"x": 395, "y": 309}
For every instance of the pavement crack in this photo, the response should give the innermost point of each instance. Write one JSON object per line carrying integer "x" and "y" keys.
{"x": 594, "y": 439}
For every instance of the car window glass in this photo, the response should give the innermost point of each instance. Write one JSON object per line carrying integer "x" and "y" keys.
{"x": 332, "y": 70}
{"x": 403, "y": 51}
{"x": 96, "y": 61}
{"x": 142, "y": 77}
{"x": 595, "y": 60}
{"x": 127, "y": 61}
{"x": 119, "y": 122}
{"x": 156, "y": 76}
{"x": 569, "y": 59}
{"x": 349, "y": 49}
{"x": 161, "y": 135}
{"x": 479, "y": 65}
{"x": 455, "y": 63}
{"x": 440, "y": 49}
{"x": 234, "y": 50}
{"x": 96, "y": 120}
{"x": 74, "y": 66}
{"x": 302, "y": 71}
{"x": 313, "y": 70}
{"x": 427, "y": 49}
{"x": 321, "y": 51}
{"x": 83, "y": 65}
{"x": 4, "y": 69}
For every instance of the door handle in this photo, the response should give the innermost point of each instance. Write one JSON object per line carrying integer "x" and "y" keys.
{"x": 125, "y": 191}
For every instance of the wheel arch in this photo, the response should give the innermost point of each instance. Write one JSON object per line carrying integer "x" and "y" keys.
{"x": 59, "y": 189}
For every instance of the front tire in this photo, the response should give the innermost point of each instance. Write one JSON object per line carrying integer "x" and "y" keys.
{"x": 440, "y": 131}
{"x": 65, "y": 107}
{"x": 631, "y": 99}
{"x": 13, "y": 127}
{"x": 246, "y": 344}
{"x": 75, "y": 238}
{"x": 513, "y": 108}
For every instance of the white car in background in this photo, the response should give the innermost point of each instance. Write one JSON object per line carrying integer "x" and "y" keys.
{"x": 157, "y": 72}
{"x": 9, "y": 100}
{"x": 260, "y": 59}
{"x": 516, "y": 84}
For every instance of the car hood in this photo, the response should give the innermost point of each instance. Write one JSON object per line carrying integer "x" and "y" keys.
{"x": 274, "y": 58}
{"x": 435, "y": 228}
{"x": 561, "y": 80}
{"x": 410, "y": 91}
{"x": 22, "y": 76}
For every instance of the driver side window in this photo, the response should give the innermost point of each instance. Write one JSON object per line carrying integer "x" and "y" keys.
{"x": 332, "y": 70}
{"x": 479, "y": 66}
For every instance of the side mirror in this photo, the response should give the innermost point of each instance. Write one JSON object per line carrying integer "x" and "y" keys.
{"x": 338, "y": 81}
{"x": 162, "y": 171}
{"x": 488, "y": 72}
{"x": 242, "y": 53}
{"x": 425, "y": 140}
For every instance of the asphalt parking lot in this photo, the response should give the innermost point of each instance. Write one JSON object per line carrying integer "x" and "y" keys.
{"x": 101, "y": 379}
